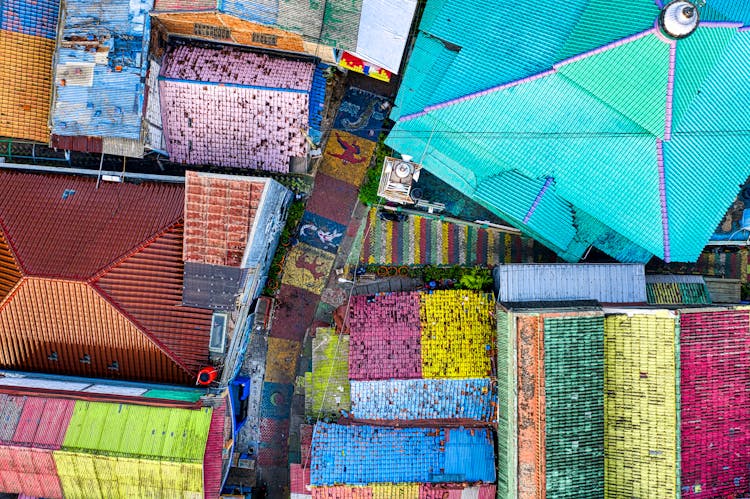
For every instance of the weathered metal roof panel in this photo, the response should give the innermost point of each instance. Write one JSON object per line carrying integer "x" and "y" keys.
{"x": 607, "y": 283}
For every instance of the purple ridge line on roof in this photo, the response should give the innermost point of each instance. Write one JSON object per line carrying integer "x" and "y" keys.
{"x": 721, "y": 24}
{"x": 663, "y": 198}
{"x": 490, "y": 90}
{"x": 538, "y": 199}
{"x": 744, "y": 29}
{"x": 604, "y": 48}
{"x": 659, "y": 4}
{"x": 412, "y": 116}
{"x": 670, "y": 90}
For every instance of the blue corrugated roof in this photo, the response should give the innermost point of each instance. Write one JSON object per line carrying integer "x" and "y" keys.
{"x": 360, "y": 455}
{"x": 118, "y": 33}
{"x": 593, "y": 123}
{"x": 423, "y": 399}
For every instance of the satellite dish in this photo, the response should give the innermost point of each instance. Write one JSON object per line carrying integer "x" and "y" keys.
{"x": 403, "y": 169}
{"x": 679, "y": 18}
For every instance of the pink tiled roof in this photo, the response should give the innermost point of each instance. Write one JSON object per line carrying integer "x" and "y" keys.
{"x": 385, "y": 336}
{"x": 233, "y": 126}
{"x": 219, "y": 213}
{"x": 232, "y": 65}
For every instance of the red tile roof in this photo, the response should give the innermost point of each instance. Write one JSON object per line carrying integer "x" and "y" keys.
{"x": 96, "y": 272}
{"x": 219, "y": 213}
{"x": 77, "y": 229}
{"x": 147, "y": 287}
{"x": 212, "y": 459}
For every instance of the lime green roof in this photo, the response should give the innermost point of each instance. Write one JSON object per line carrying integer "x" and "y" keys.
{"x": 142, "y": 432}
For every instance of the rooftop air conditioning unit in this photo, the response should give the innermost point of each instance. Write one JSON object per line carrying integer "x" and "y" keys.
{"x": 397, "y": 179}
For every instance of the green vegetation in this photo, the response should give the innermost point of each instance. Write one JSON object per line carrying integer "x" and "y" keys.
{"x": 288, "y": 233}
{"x": 445, "y": 276}
{"x": 368, "y": 193}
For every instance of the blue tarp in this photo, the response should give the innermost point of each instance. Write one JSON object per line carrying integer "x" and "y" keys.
{"x": 423, "y": 399}
{"x": 114, "y": 36}
{"x": 360, "y": 455}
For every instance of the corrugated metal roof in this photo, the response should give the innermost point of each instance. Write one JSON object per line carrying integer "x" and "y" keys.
{"x": 111, "y": 103}
{"x": 233, "y": 65}
{"x": 30, "y": 471}
{"x": 43, "y": 422}
{"x": 230, "y": 28}
{"x": 141, "y": 432}
{"x": 79, "y": 229}
{"x": 383, "y": 31}
{"x": 424, "y": 399}
{"x": 85, "y": 476}
{"x": 368, "y": 454}
{"x": 10, "y": 412}
{"x": 213, "y": 474}
{"x": 66, "y": 320}
{"x": 25, "y": 95}
{"x": 676, "y": 289}
{"x": 632, "y": 77}
{"x": 607, "y": 283}
{"x": 147, "y": 287}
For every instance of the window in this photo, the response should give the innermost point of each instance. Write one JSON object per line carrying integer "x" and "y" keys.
{"x": 218, "y": 332}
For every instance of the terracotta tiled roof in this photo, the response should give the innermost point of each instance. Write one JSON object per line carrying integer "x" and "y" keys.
{"x": 25, "y": 94}
{"x": 147, "y": 286}
{"x": 77, "y": 229}
{"x": 218, "y": 217}
{"x": 97, "y": 273}
{"x": 10, "y": 274}
{"x": 44, "y": 317}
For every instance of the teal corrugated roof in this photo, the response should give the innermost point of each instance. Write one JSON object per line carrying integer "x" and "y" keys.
{"x": 593, "y": 123}
{"x": 631, "y": 79}
{"x": 703, "y": 175}
{"x": 722, "y": 101}
{"x": 604, "y": 21}
{"x": 726, "y": 10}
{"x": 695, "y": 59}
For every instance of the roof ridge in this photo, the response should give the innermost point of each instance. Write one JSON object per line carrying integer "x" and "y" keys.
{"x": 133, "y": 251}
{"x": 159, "y": 344}
{"x": 12, "y": 248}
{"x": 12, "y": 292}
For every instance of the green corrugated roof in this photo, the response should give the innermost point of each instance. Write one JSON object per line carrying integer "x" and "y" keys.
{"x": 138, "y": 431}
{"x": 632, "y": 79}
{"x": 188, "y": 396}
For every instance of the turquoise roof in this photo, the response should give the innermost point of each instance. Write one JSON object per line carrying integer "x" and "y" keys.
{"x": 619, "y": 129}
